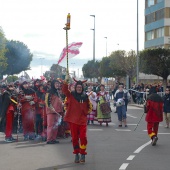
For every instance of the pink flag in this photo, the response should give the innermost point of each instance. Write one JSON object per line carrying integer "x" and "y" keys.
{"x": 73, "y": 50}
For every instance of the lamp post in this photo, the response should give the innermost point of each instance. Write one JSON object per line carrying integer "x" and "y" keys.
{"x": 137, "y": 55}
{"x": 106, "y": 45}
{"x": 93, "y": 37}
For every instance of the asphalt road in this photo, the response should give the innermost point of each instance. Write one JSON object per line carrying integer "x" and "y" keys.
{"x": 109, "y": 148}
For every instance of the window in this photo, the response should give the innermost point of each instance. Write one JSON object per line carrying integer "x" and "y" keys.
{"x": 160, "y": 32}
{"x": 149, "y": 35}
{"x": 150, "y": 3}
{"x": 150, "y": 18}
{"x": 159, "y": 14}
{"x": 158, "y": 1}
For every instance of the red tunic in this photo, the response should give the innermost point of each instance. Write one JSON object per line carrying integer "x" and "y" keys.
{"x": 154, "y": 111}
{"x": 76, "y": 111}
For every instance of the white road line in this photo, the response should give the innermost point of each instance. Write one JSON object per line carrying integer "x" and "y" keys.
{"x": 145, "y": 130}
{"x": 122, "y": 130}
{"x": 131, "y": 116}
{"x": 95, "y": 129}
{"x": 123, "y": 166}
{"x": 132, "y": 124}
{"x": 164, "y": 133}
{"x": 142, "y": 147}
{"x": 130, "y": 157}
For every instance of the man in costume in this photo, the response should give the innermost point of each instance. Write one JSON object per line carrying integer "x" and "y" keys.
{"x": 154, "y": 108}
{"x": 77, "y": 107}
{"x": 9, "y": 104}
{"x": 54, "y": 109}
{"x": 28, "y": 101}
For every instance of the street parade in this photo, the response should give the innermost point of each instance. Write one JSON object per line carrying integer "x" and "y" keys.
{"x": 75, "y": 99}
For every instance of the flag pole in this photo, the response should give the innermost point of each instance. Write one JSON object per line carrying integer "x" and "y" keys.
{"x": 66, "y": 28}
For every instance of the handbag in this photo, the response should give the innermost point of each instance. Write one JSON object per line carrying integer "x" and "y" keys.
{"x": 105, "y": 108}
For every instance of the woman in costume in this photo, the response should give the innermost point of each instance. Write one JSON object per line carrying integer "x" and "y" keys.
{"x": 54, "y": 111}
{"x": 103, "y": 96}
{"x": 92, "y": 97}
{"x": 28, "y": 101}
{"x": 78, "y": 106}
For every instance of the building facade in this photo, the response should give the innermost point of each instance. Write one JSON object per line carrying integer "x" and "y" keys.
{"x": 157, "y": 24}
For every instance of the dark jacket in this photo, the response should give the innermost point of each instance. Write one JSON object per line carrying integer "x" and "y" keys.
{"x": 166, "y": 101}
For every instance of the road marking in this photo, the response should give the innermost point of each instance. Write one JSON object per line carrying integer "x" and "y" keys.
{"x": 131, "y": 116}
{"x": 132, "y": 124}
{"x": 130, "y": 157}
{"x": 164, "y": 133}
{"x": 123, "y": 166}
{"x": 122, "y": 129}
{"x": 142, "y": 147}
{"x": 95, "y": 129}
{"x": 145, "y": 130}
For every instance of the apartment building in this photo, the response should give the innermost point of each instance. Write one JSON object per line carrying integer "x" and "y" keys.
{"x": 157, "y": 24}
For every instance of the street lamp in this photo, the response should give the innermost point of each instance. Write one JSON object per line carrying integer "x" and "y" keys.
{"x": 106, "y": 46}
{"x": 137, "y": 56}
{"x": 93, "y": 37}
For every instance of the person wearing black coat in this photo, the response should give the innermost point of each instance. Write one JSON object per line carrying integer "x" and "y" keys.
{"x": 166, "y": 107}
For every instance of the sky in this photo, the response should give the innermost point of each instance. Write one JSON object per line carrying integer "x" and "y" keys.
{"x": 39, "y": 24}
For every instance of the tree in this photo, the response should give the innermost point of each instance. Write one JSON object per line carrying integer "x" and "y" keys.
{"x": 12, "y": 79}
{"x": 56, "y": 71}
{"x": 115, "y": 59}
{"x": 3, "y": 59}
{"x": 18, "y": 57}
{"x": 91, "y": 69}
{"x": 156, "y": 61}
{"x": 105, "y": 69}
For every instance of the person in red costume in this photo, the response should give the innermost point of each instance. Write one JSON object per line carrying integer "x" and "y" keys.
{"x": 154, "y": 108}
{"x": 77, "y": 107}
{"x": 9, "y": 105}
{"x": 54, "y": 109}
{"x": 28, "y": 100}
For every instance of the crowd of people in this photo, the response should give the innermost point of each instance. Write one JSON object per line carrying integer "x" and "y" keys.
{"x": 54, "y": 109}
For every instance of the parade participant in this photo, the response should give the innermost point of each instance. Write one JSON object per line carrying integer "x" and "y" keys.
{"x": 41, "y": 120}
{"x": 54, "y": 107}
{"x": 92, "y": 97}
{"x": 166, "y": 107}
{"x": 9, "y": 105}
{"x": 102, "y": 97}
{"x": 154, "y": 109}
{"x": 47, "y": 87}
{"x": 28, "y": 100}
{"x": 77, "y": 107}
{"x": 121, "y": 108}
{"x": 36, "y": 85}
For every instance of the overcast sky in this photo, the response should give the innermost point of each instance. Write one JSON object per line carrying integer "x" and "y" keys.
{"x": 39, "y": 24}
